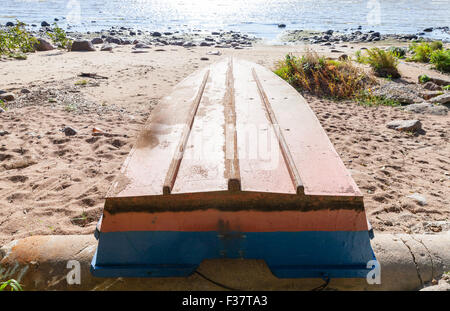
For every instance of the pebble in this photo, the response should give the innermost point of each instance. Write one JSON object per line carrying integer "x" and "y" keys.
{"x": 188, "y": 44}
{"x": 436, "y": 226}
{"x": 97, "y": 41}
{"x": 215, "y": 52}
{"x": 69, "y": 131}
{"x": 113, "y": 40}
{"x": 7, "y": 96}
{"x": 405, "y": 125}
{"x": 442, "y": 99}
{"x": 142, "y": 46}
{"x": 420, "y": 199}
{"x": 97, "y": 130}
{"x": 106, "y": 48}
{"x": 139, "y": 51}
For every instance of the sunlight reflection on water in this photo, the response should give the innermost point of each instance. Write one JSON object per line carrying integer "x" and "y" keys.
{"x": 259, "y": 17}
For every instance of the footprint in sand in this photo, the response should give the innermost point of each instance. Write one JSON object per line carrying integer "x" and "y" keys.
{"x": 5, "y": 156}
{"x": 18, "y": 178}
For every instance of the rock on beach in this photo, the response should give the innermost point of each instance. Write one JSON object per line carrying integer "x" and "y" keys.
{"x": 82, "y": 46}
{"x": 43, "y": 45}
{"x": 405, "y": 125}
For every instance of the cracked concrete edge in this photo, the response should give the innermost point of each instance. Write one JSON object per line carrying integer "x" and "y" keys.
{"x": 414, "y": 260}
{"x": 41, "y": 263}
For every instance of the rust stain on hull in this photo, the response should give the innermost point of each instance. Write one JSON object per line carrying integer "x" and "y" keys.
{"x": 231, "y": 201}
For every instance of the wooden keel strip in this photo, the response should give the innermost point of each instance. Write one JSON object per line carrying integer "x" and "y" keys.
{"x": 232, "y": 172}
{"x": 203, "y": 165}
{"x": 293, "y": 172}
{"x": 320, "y": 168}
{"x": 261, "y": 164}
{"x": 178, "y": 156}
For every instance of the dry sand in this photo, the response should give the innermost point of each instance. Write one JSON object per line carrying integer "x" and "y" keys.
{"x": 53, "y": 184}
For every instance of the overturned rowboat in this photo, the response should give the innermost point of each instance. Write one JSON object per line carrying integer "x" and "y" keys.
{"x": 233, "y": 164}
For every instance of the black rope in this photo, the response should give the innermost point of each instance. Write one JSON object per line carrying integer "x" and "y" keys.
{"x": 216, "y": 283}
{"x": 323, "y": 286}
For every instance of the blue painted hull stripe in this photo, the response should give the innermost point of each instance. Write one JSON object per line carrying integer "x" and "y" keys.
{"x": 288, "y": 254}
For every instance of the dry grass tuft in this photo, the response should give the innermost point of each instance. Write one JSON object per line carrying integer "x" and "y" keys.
{"x": 322, "y": 77}
{"x": 383, "y": 63}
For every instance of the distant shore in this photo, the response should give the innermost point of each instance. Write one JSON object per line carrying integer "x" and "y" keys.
{"x": 240, "y": 38}
{"x": 236, "y": 39}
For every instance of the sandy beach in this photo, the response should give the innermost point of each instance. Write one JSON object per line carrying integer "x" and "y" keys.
{"x": 51, "y": 183}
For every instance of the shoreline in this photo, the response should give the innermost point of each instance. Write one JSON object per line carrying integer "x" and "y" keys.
{"x": 238, "y": 39}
